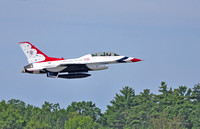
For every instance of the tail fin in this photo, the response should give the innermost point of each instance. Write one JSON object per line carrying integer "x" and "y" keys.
{"x": 35, "y": 55}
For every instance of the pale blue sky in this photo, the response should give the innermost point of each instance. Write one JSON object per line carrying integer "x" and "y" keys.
{"x": 166, "y": 34}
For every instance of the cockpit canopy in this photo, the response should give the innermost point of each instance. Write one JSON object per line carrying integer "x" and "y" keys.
{"x": 104, "y": 54}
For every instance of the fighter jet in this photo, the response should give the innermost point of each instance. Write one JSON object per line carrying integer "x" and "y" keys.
{"x": 40, "y": 63}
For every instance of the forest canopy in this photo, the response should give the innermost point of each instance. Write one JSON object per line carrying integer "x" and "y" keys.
{"x": 171, "y": 108}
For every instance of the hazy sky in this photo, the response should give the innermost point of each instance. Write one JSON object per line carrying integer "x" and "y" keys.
{"x": 165, "y": 34}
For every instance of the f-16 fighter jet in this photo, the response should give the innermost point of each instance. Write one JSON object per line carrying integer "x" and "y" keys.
{"x": 40, "y": 63}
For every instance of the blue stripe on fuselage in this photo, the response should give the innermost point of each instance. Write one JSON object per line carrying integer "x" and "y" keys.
{"x": 122, "y": 59}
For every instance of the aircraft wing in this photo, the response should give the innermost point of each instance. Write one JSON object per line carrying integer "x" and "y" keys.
{"x": 75, "y": 68}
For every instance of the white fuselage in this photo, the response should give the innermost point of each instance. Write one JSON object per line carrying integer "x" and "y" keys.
{"x": 40, "y": 63}
{"x": 93, "y": 63}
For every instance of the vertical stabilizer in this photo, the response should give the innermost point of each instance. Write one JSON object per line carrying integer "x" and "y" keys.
{"x": 35, "y": 55}
{"x": 32, "y": 53}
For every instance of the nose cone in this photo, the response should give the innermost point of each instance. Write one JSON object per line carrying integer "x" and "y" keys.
{"x": 135, "y": 60}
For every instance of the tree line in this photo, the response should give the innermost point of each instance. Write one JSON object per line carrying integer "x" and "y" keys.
{"x": 171, "y": 109}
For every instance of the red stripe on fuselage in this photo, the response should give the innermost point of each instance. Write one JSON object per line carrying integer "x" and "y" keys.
{"x": 51, "y": 59}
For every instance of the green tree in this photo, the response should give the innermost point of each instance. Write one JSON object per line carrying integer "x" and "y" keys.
{"x": 81, "y": 122}
{"x": 11, "y": 115}
{"x": 196, "y": 93}
{"x": 171, "y": 108}
{"x": 177, "y": 106}
{"x": 142, "y": 110}
{"x": 117, "y": 114}
{"x": 85, "y": 109}
{"x": 163, "y": 122}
